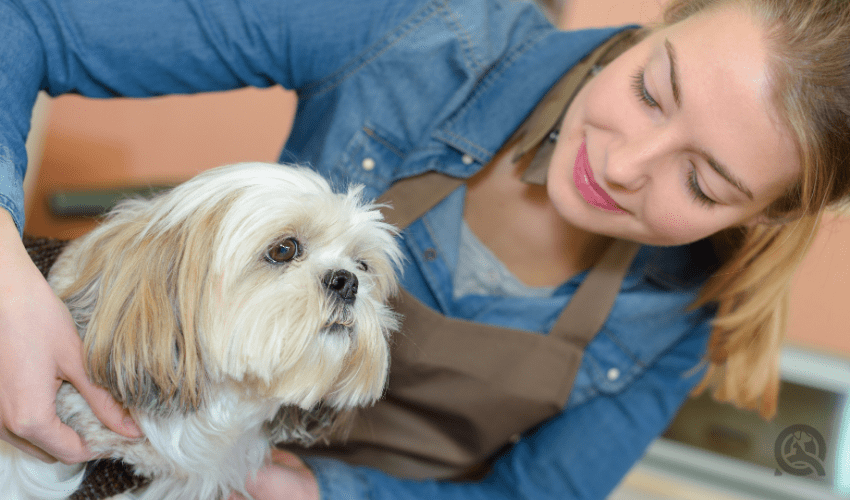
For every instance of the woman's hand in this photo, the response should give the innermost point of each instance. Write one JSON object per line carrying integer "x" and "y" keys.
{"x": 284, "y": 476}
{"x": 39, "y": 349}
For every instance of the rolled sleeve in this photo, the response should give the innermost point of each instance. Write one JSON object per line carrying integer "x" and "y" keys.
{"x": 338, "y": 481}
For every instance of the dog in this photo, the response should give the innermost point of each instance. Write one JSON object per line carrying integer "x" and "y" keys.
{"x": 247, "y": 306}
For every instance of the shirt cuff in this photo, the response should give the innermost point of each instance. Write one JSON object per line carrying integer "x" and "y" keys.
{"x": 14, "y": 210}
{"x": 337, "y": 480}
{"x": 11, "y": 185}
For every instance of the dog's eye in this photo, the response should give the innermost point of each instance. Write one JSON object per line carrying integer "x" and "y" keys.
{"x": 283, "y": 251}
{"x": 363, "y": 266}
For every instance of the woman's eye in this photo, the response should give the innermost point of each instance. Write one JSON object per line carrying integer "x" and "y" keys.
{"x": 696, "y": 192}
{"x": 283, "y": 251}
{"x": 639, "y": 87}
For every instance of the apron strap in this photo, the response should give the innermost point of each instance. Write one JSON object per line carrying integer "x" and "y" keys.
{"x": 410, "y": 198}
{"x": 588, "y": 309}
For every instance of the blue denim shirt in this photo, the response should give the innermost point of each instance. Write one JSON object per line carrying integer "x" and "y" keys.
{"x": 408, "y": 86}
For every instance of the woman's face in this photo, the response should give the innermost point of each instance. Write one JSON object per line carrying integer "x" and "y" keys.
{"x": 677, "y": 138}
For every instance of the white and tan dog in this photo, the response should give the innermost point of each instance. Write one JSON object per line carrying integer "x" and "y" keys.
{"x": 249, "y": 292}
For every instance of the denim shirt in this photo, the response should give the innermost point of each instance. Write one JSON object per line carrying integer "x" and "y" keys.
{"x": 389, "y": 89}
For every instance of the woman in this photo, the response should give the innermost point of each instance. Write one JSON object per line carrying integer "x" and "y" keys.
{"x": 666, "y": 145}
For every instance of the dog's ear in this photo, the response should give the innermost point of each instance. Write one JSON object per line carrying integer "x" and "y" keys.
{"x": 139, "y": 300}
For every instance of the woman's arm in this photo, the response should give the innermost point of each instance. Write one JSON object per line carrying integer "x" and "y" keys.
{"x": 108, "y": 48}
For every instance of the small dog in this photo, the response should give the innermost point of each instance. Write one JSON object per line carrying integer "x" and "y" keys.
{"x": 245, "y": 307}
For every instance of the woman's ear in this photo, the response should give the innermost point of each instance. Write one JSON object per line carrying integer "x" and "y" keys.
{"x": 138, "y": 302}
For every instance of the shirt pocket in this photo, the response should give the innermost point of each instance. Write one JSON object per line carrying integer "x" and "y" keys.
{"x": 372, "y": 157}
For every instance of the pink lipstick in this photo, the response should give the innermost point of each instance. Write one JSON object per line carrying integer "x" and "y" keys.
{"x": 592, "y": 192}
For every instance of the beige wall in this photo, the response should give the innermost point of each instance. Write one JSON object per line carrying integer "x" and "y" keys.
{"x": 107, "y": 143}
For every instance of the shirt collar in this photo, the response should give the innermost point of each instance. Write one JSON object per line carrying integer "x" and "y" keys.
{"x": 539, "y": 131}
{"x": 499, "y": 100}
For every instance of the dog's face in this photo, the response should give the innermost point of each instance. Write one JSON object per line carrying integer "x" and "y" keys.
{"x": 251, "y": 274}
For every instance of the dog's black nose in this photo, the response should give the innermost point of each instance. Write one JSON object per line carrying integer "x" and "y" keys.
{"x": 343, "y": 283}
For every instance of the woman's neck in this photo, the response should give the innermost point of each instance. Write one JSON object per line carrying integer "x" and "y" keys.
{"x": 517, "y": 222}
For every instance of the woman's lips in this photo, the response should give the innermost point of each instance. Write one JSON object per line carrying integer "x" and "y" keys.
{"x": 592, "y": 193}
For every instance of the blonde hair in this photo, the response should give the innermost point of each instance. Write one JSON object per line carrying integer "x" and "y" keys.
{"x": 809, "y": 67}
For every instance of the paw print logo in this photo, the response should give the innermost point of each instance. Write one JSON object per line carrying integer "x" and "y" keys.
{"x": 800, "y": 451}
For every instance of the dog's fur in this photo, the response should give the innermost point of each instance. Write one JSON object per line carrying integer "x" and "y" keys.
{"x": 187, "y": 320}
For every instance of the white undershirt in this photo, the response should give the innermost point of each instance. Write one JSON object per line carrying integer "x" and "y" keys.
{"x": 480, "y": 272}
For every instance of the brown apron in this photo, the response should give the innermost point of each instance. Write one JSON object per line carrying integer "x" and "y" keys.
{"x": 460, "y": 391}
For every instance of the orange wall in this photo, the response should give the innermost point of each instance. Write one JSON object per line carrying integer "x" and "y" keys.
{"x": 108, "y": 143}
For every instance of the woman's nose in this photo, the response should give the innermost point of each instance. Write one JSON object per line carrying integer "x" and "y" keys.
{"x": 631, "y": 160}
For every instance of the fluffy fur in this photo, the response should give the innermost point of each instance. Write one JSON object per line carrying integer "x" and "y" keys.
{"x": 217, "y": 349}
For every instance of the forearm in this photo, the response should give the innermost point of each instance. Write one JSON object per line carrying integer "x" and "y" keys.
{"x": 104, "y": 48}
{"x": 107, "y": 48}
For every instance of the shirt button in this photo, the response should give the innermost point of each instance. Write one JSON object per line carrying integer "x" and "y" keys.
{"x": 430, "y": 254}
{"x": 467, "y": 160}
{"x": 613, "y": 374}
{"x": 368, "y": 164}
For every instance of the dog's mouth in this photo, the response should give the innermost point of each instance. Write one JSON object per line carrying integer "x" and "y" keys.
{"x": 341, "y": 322}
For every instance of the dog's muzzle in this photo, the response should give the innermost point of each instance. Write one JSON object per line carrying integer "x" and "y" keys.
{"x": 342, "y": 283}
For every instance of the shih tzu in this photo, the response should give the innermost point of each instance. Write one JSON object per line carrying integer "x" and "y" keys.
{"x": 245, "y": 307}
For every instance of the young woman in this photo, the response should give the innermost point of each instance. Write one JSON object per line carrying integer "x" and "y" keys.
{"x": 713, "y": 141}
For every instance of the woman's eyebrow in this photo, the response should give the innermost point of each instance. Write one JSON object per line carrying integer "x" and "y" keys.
{"x": 715, "y": 165}
{"x": 674, "y": 80}
{"x": 723, "y": 172}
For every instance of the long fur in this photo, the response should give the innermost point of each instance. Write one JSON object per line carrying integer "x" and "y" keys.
{"x": 216, "y": 350}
